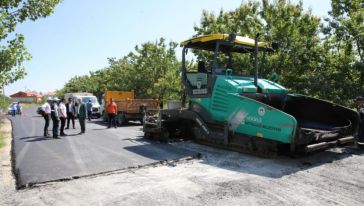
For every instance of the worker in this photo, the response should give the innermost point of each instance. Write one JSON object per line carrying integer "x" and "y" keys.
{"x": 89, "y": 109}
{"x": 111, "y": 112}
{"x": 82, "y": 115}
{"x": 360, "y": 108}
{"x": 62, "y": 111}
{"x": 14, "y": 108}
{"x": 55, "y": 117}
{"x": 46, "y": 112}
{"x": 201, "y": 67}
{"x": 18, "y": 108}
{"x": 71, "y": 113}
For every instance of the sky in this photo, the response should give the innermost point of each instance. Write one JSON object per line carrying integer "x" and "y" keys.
{"x": 81, "y": 34}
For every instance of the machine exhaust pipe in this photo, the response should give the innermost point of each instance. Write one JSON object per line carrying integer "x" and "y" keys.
{"x": 345, "y": 140}
{"x": 324, "y": 145}
{"x": 318, "y": 146}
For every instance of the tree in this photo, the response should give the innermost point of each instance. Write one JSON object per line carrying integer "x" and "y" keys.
{"x": 12, "y": 49}
{"x": 306, "y": 60}
{"x": 152, "y": 70}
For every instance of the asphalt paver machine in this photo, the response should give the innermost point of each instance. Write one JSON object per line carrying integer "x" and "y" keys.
{"x": 248, "y": 113}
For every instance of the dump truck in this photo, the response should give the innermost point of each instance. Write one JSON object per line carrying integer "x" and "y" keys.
{"x": 248, "y": 113}
{"x": 128, "y": 108}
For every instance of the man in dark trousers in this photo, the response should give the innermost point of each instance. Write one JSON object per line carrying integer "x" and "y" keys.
{"x": 360, "y": 108}
{"x": 55, "y": 117}
{"x": 111, "y": 111}
{"x": 46, "y": 112}
{"x": 89, "y": 109}
{"x": 82, "y": 115}
{"x": 71, "y": 113}
{"x": 62, "y": 112}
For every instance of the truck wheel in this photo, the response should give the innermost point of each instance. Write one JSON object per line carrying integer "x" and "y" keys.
{"x": 164, "y": 136}
{"x": 147, "y": 135}
{"x": 121, "y": 119}
{"x": 104, "y": 117}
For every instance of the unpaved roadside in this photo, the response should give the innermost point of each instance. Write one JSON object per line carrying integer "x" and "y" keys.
{"x": 7, "y": 182}
{"x": 334, "y": 177}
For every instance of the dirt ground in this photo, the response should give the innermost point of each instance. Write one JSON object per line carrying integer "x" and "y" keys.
{"x": 219, "y": 177}
{"x": 6, "y": 178}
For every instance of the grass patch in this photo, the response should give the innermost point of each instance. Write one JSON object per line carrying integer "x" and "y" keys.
{"x": 2, "y": 139}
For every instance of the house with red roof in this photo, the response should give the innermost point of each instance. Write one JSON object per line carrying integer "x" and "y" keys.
{"x": 26, "y": 97}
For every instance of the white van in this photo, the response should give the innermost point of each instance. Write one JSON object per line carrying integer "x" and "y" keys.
{"x": 96, "y": 108}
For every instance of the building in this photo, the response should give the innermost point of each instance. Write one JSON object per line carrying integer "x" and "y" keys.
{"x": 26, "y": 97}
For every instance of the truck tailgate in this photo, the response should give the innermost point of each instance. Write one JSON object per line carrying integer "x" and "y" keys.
{"x": 134, "y": 105}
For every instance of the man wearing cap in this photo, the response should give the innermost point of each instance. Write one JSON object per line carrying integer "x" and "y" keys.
{"x": 55, "y": 117}
{"x": 360, "y": 108}
{"x": 46, "y": 111}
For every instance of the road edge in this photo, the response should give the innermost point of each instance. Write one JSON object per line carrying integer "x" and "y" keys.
{"x": 7, "y": 154}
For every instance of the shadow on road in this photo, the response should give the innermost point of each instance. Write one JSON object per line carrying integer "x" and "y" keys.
{"x": 35, "y": 138}
{"x": 43, "y": 138}
{"x": 103, "y": 123}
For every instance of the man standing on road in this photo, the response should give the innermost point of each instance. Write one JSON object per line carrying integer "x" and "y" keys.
{"x": 18, "y": 108}
{"x": 14, "y": 108}
{"x": 111, "y": 111}
{"x": 82, "y": 114}
{"x": 71, "y": 113}
{"x": 55, "y": 117}
{"x": 62, "y": 116}
{"x": 46, "y": 111}
{"x": 89, "y": 109}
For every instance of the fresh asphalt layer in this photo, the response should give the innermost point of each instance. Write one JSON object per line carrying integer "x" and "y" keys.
{"x": 41, "y": 159}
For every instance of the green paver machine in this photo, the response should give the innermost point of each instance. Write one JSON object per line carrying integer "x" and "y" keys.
{"x": 245, "y": 113}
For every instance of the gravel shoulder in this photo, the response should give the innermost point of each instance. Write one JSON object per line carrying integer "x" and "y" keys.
{"x": 219, "y": 177}
{"x": 6, "y": 177}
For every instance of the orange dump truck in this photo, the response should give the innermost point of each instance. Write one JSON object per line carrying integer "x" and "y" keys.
{"x": 128, "y": 108}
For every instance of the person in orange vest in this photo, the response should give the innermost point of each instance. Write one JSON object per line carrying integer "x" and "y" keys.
{"x": 111, "y": 111}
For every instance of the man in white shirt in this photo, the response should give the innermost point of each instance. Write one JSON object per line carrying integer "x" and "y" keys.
{"x": 62, "y": 112}
{"x": 46, "y": 108}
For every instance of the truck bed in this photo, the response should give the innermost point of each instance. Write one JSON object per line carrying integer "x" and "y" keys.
{"x": 133, "y": 106}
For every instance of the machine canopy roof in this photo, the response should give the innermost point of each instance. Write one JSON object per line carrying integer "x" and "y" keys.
{"x": 240, "y": 44}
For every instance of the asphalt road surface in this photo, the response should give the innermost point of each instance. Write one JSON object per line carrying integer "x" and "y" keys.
{"x": 40, "y": 159}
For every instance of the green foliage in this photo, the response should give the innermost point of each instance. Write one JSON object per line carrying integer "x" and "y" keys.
{"x": 314, "y": 58}
{"x": 4, "y": 103}
{"x": 320, "y": 58}
{"x": 12, "y": 49}
{"x": 2, "y": 139}
{"x": 151, "y": 71}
